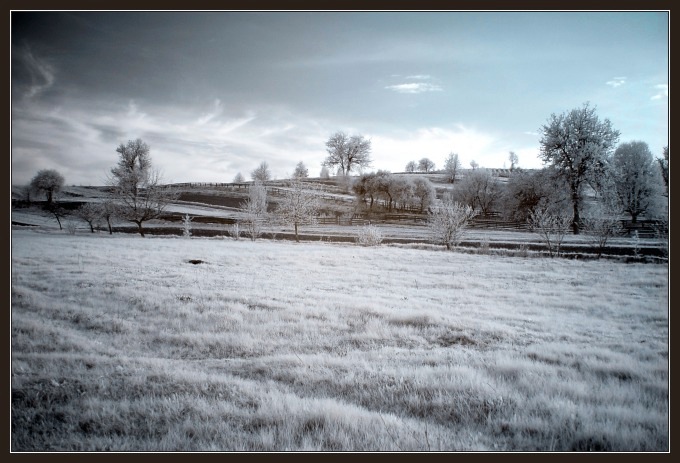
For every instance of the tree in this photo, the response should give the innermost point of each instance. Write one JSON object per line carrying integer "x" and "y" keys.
{"x": 48, "y": 182}
{"x": 447, "y": 222}
{"x": 551, "y": 226}
{"x": 346, "y": 153}
{"x": 474, "y": 164}
{"x": 90, "y": 213}
{"x": 600, "y": 223}
{"x": 513, "y": 160}
{"x": 109, "y": 210}
{"x": 254, "y": 210}
{"x": 451, "y": 167}
{"x": 137, "y": 186}
{"x": 636, "y": 179}
{"x": 299, "y": 205}
{"x": 425, "y": 165}
{"x": 526, "y": 190}
{"x": 480, "y": 190}
{"x": 300, "y": 171}
{"x": 577, "y": 144}
{"x": 324, "y": 174}
{"x": 411, "y": 166}
{"x": 261, "y": 173}
{"x": 239, "y": 178}
{"x": 663, "y": 165}
{"x": 424, "y": 192}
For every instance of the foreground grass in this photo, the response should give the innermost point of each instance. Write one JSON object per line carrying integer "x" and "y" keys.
{"x": 119, "y": 343}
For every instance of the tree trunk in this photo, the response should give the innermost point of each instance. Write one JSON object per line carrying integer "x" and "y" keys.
{"x": 141, "y": 230}
{"x": 576, "y": 220}
{"x": 58, "y": 221}
{"x": 108, "y": 221}
{"x": 297, "y": 239}
{"x": 91, "y": 228}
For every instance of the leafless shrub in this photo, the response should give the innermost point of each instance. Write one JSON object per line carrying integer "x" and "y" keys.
{"x": 448, "y": 221}
{"x": 369, "y": 235}
{"x": 551, "y": 226}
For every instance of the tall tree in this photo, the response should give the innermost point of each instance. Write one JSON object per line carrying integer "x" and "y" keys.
{"x": 137, "y": 186}
{"x": 347, "y": 153}
{"x": 636, "y": 179}
{"x": 451, "y": 167}
{"x": 514, "y": 159}
{"x": 411, "y": 166}
{"x": 577, "y": 144}
{"x": 238, "y": 178}
{"x": 300, "y": 171}
{"x": 48, "y": 182}
{"x": 261, "y": 173}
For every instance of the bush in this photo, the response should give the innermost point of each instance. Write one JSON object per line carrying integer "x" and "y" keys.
{"x": 369, "y": 235}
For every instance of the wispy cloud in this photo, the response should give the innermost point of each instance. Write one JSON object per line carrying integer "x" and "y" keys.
{"x": 419, "y": 77}
{"x": 40, "y": 72}
{"x": 662, "y": 92}
{"x": 616, "y": 82}
{"x": 533, "y": 134}
{"x": 420, "y": 87}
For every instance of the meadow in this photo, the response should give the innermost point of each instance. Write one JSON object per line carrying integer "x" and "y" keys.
{"x": 170, "y": 344}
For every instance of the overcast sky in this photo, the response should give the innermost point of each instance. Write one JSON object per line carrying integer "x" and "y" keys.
{"x": 216, "y": 93}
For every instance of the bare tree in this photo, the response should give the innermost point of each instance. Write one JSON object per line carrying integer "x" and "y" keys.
{"x": 526, "y": 190}
{"x": 324, "y": 174}
{"x": 425, "y": 165}
{"x": 254, "y": 210}
{"x": 451, "y": 167}
{"x": 108, "y": 210}
{"x": 48, "y": 182}
{"x": 474, "y": 164}
{"x": 424, "y": 192}
{"x": 412, "y": 166}
{"x": 261, "y": 173}
{"x": 346, "y": 153}
{"x": 91, "y": 213}
{"x": 600, "y": 223}
{"x": 479, "y": 190}
{"x": 55, "y": 210}
{"x": 300, "y": 171}
{"x": 636, "y": 179}
{"x": 512, "y": 157}
{"x": 577, "y": 144}
{"x": 137, "y": 187}
{"x": 238, "y": 178}
{"x": 299, "y": 205}
{"x": 551, "y": 226}
{"x": 447, "y": 222}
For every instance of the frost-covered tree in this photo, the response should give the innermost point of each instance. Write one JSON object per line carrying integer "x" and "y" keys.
{"x": 48, "y": 182}
{"x": 514, "y": 160}
{"x": 447, "y": 222}
{"x": 663, "y": 165}
{"x": 576, "y": 143}
{"x": 600, "y": 223}
{"x": 300, "y": 171}
{"x": 324, "y": 174}
{"x": 261, "y": 173}
{"x": 451, "y": 167}
{"x": 299, "y": 205}
{"x": 636, "y": 178}
{"x": 254, "y": 210}
{"x": 411, "y": 166}
{"x": 238, "y": 178}
{"x": 551, "y": 225}
{"x": 347, "y": 152}
{"x": 186, "y": 226}
{"x": 424, "y": 192}
{"x": 480, "y": 190}
{"x": 91, "y": 213}
{"x": 137, "y": 186}
{"x": 474, "y": 164}
{"x": 425, "y": 165}
{"x": 108, "y": 210}
{"x": 525, "y": 190}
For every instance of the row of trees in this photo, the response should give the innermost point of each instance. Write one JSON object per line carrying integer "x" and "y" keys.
{"x": 396, "y": 191}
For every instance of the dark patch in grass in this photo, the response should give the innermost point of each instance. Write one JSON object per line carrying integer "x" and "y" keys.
{"x": 453, "y": 339}
{"x": 196, "y": 261}
{"x": 541, "y": 358}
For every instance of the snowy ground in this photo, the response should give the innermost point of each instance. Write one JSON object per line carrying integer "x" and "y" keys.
{"x": 121, "y": 343}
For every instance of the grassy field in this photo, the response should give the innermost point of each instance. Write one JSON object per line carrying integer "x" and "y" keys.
{"x": 120, "y": 343}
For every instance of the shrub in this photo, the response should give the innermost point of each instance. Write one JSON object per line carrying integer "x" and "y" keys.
{"x": 369, "y": 235}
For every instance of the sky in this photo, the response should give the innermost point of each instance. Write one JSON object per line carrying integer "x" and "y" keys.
{"x": 217, "y": 93}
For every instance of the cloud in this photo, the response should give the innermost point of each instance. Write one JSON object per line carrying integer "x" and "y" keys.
{"x": 419, "y": 77}
{"x": 616, "y": 82}
{"x": 662, "y": 90}
{"x": 40, "y": 73}
{"x": 533, "y": 134}
{"x": 414, "y": 88}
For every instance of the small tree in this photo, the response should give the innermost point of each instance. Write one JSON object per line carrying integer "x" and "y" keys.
{"x": 255, "y": 210}
{"x": 512, "y": 157}
{"x": 412, "y": 166}
{"x": 300, "y": 171}
{"x": 369, "y": 235}
{"x": 324, "y": 174}
{"x": 261, "y": 173}
{"x": 299, "y": 205}
{"x": 55, "y": 210}
{"x": 600, "y": 224}
{"x": 91, "y": 213}
{"x": 424, "y": 192}
{"x": 186, "y": 226}
{"x": 551, "y": 226}
{"x": 108, "y": 210}
{"x": 479, "y": 190}
{"x": 451, "y": 167}
{"x": 448, "y": 221}
{"x": 238, "y": 178}
{"x": 425, "y": 165}
{"x": 49, "y": 182}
